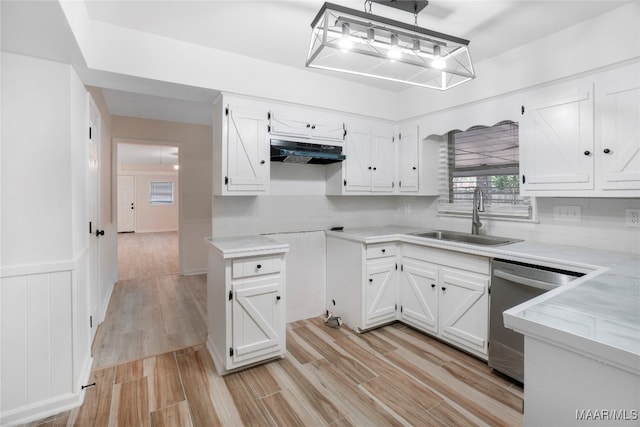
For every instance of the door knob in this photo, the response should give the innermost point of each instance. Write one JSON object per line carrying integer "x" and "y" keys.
{"x": 99, "y": 233}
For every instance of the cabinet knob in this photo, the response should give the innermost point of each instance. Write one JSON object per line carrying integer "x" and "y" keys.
{"x": 308, "y": 125}
{"x": 384, "y": 250}
{"x": 414, "y": 168}
{"x": 370, "y": 280}
{"x": 369, "y": 168}
{"x": 262, "y": 162}
{"x": 313, "y": 127}
{"x": 587, "y": 153}
{"x": 607, "y": 151}
{"x": 259, "y": 266}
{"x": 374, "y": 168}
{"x": 433, "y": 285}
{"x": 278, "y": 298}
{"x": 444, "y": 288}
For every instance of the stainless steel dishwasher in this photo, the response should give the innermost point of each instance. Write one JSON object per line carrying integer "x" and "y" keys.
{"x": 513, "y": 283}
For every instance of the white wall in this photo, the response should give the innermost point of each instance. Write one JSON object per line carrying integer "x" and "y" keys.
{"x": 151, "y": 218}
{"x": 195, "y": 178}
{"x": 45, "y": 348}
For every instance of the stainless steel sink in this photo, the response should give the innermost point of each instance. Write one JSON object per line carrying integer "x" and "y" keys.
{"x": 474, "y": 239}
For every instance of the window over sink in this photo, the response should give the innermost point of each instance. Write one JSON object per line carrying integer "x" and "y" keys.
{"x": 485, "y": 157}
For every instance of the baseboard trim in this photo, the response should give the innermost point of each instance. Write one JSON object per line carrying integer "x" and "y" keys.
{"x": 42, "y": 409}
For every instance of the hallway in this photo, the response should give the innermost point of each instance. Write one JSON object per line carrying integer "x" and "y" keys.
{"x": 153, "y": 310}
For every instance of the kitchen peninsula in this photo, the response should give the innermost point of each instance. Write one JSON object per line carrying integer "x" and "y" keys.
{"x": 582, "y": 340}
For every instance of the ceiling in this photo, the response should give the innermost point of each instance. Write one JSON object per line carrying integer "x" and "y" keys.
{"x": 279, "y": 32}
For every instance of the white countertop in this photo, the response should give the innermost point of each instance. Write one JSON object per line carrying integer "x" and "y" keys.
{"x": 597, "y": 315}
{"x": 234, "y": 247}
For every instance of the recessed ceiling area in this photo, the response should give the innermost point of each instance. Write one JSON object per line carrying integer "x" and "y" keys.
{"x": 275, "y": 31}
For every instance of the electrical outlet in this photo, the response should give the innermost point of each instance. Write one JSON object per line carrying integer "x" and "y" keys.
{"x": 567, "y": 213}
{"x": 632, "y": 217}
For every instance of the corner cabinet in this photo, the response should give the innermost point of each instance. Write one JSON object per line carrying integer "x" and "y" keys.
{"x": 440, "y": 292}
{"x": 245, "y": 301}
{"x": 581, "y": 138}
{"x": 241, "y": 147}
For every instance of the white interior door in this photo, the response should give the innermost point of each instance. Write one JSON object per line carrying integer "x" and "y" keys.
{"x": 93, "y": 189}
{"x": 126, "y": 203}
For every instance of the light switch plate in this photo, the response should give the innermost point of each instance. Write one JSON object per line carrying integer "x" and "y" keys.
{"x": 632, "y": 217}
{"x": 567, "y": 213}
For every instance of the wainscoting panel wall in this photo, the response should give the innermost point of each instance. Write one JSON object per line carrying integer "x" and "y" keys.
{"x": 44, "y": 353}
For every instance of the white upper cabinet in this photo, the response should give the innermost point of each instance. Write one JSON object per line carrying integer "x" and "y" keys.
{"x": 408, "y": 159}
{"x": 556, "y": 139}
{"x": 383, "y": 159}
{"x": 582, "y": 138}
{"x": 300, "y": 123}
{"x": 370, "y": 166}
{"x": 618, "y": 139}
{"x": 241, "y": 148}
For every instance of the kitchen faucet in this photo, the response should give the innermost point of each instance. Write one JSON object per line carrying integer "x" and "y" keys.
{"x": 478, "y": 206}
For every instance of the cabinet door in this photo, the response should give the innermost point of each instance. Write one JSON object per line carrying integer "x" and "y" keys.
{"x": 288, "y": 122}
{"x": 380, "y": 292}
{"x": 247, "y": 150}
{"x": 556, "y": 144}
{"x": 464, "y": 309}
{"x": 408, "y": 159}
{"x": 327, "y": 128}
{"x": 419, "y": 295}
{"x": 357, "y": 148}
{"x": 257, "y": 321}
{"x": 383, "y": 159}
{"x": 619, "y": 144}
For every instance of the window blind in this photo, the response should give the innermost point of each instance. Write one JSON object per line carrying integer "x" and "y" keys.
{"x": 487, "y": 157}
{"x": 161, "y": 193}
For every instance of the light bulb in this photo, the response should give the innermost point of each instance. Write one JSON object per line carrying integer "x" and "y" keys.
{"x": 345, "y": 42}
{"x": 438, "y": 61}
{"x": 394, "y": 51}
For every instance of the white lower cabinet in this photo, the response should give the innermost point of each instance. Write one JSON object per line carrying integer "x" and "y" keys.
{"x": 450, "y": 301}
{"x": 419, "y": 294}
{"x": 380, "y": 291}
{"x": 246, "y": 307}
{"x": 440, "y": 292}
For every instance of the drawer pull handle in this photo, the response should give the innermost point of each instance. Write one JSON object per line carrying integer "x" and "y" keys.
{"x": 259, "y": 266}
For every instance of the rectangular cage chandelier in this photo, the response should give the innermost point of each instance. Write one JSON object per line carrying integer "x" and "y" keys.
{"x": 359, "y": 42}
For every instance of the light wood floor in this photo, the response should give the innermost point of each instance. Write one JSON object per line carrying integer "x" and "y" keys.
{"x": 147, "y": 254}
{"x": 152, "y": 309}
{"x": 393, "y": 375}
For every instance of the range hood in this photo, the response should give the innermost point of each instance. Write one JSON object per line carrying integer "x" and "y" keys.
{"x": 289, "y": 151}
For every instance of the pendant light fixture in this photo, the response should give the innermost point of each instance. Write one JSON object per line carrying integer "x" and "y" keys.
{"x": 359, "y": 42}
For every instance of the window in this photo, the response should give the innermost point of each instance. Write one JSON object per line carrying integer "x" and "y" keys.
{"x": 485, "y": 157}
{"x": 161, "y": 193}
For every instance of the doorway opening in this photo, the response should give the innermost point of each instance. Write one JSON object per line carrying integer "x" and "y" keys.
{"x": 148, "y": 208}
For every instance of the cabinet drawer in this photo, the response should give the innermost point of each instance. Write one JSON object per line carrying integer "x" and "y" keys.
{"x": 381, "y": 250}
{"x": 255, "y": 266}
